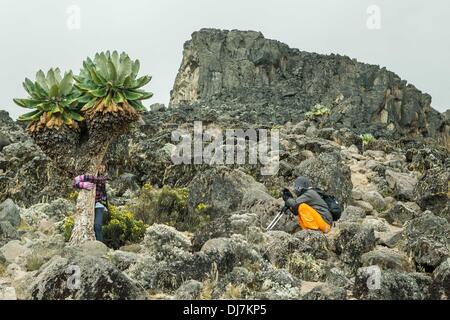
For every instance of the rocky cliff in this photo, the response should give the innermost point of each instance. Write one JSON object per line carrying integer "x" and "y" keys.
{"x": 242, "y": 67}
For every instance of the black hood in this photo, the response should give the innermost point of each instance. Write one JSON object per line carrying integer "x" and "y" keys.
{"x": 301, "y": 184}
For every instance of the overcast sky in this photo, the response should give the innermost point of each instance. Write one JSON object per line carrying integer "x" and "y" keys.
{"x": 413, "y": 39}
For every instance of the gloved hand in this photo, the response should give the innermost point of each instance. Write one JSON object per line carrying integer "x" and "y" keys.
{"x": 289, "y": 201}
{"x": 287, "y": 194}
{"x": 87, "y": 185}
{"x": 291, "y": 204}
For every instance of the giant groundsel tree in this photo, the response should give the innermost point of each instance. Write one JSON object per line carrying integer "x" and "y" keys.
{"x": 74, "y": 119}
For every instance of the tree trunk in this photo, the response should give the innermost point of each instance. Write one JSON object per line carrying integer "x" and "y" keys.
{"x": 83, "y": 229}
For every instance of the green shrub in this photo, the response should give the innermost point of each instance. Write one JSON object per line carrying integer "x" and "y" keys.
{"x": 34, "y": 262}
{"x": 120, "y": 227}
{"x": 305, "y": 266}
{"x": 317, "y": 111}
{"x": 367, "y": 138}
{"x": 67, "y": 227}
{"x": 276, "y": 193}
{"x": 168, "y": 206}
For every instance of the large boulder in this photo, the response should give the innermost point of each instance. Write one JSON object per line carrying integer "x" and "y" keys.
{"x": 4, "y": 141}
{"x": 373, "y": 283}
{"x": 440, "y": 288}
{"x": 167, "y": 261}
{"x": 352, "y": 241}
{"x": 163, "y": 241}
{"x": 30, "y": 176}
{"x": 278, "y": 246}
{"x": 224, "y": 190}
{"x": 375, "y": 199}
{"x": 328, "y": 172}
{"x": 388, "y": 259}
{"x": 402, "y": 184}
{"x": 9, "y": 212}
{"x": 189, "y": 290}
{"x": 427, "y": 240}
{"x": 7, "y": 232}
{"x": 123, "y": 259}
{"x": 55, "y": 210}
{"x": 353, "y": 213}
{"x": 83, "y": 278}
{"x": 276, "y": 284}
{"x": 326, "y": 292}
{"x": 432, "y": 191}
{"x": 401, "y": 212}
{"x": 13, "y": 250}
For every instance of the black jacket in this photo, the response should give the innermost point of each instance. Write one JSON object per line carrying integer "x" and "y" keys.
{"x": 313, "y": 199}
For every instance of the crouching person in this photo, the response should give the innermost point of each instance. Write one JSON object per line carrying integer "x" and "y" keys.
{"x": 311, "y": 210}
{"x": 89, "y": 182}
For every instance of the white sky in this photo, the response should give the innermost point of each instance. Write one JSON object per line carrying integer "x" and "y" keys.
{"x": 414, "y": 39}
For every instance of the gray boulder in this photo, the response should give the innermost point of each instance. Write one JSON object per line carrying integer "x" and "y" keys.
{"x": 373, "y": 283}
{"x": 375, "y": 199}
{"x": 352, "y": 241}
{"x": 402, "y": 184}
{"x": 387, "y": 258}
{"x": 123, "y": 260}
{"x": 353, "y": 213}
{"x": 4, "y": 141}
{"x": 440, "y": 288}
{"x": 278, "y": 245}
{"x": 276, "y": 284}
{"x": 431, "y": 192}
{"x": 338, "y": 278}
{"x": 427, "y": 240}
{"x": 401, "y": 212}
{"x": 83, "y": 278}
{"x": 7, "y": 232}
{"x": 57, "y": 209}
{"x": 9, "y": 212}
{"x": 189, "y": 290}
{"x": 225, "y": 190}
{"x": 326, "y": 292}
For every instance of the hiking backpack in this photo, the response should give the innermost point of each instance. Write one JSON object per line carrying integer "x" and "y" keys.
{"x": 332, "y": 203}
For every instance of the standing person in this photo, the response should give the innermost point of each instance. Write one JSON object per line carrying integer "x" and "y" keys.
{"x": 89, "y": 182}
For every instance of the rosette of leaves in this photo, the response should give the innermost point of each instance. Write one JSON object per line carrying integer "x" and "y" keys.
{"x": 53, "y": 99}
{"x": 317, "y": 111}
{"x": 110, "y": 85}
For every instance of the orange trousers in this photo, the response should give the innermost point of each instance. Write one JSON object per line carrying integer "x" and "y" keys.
{"x": 309, "y": 218}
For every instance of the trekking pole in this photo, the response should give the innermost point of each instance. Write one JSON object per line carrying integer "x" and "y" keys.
{"x": 276, "y": 219}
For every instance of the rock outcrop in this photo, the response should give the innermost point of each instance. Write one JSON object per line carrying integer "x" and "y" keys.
{"x": 242, "y": 67}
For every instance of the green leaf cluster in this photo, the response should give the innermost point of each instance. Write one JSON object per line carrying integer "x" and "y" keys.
{"x": 317, "y": 111}
{"x": 53, "y": 99}
{"x": 110, "y": 81}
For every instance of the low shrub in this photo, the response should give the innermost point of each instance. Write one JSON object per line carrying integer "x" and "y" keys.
{"x": 120, "y": 227}
{"x": 317, "y": 111}
{"x": 168, "y": 206}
